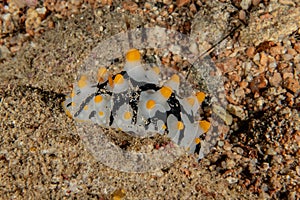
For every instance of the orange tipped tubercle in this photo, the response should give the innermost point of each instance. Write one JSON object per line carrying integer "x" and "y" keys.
{"x": 133, "y": 55}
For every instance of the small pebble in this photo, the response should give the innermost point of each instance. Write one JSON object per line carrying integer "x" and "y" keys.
{"x": 242, "y": 15}
{"x": 237, "y": 111}
{"x": 42, "y": 12}
{"x": 232, "y": 180}
{"x": 250, "y": 52}
{"x": 291, "y": 51}
{"x": 263, "y": 59}
{"x": 287, "y": 75}
{"x": 181, "y": 3}
{"x": 223, "y": 114}
{"x": 167, "y": 2}
{"x": 147, "y": 5}
{"x": 256, "y": 58}
{"x": 287, "y": 57}
{"x": 292, "y": 85}
{"x": 245, "y": 4}
{"x": 255, "y": 2}
{"x": 298, "y": 170}
{"x": 239, "y": 92}
{"x": 272, "y": 65}
{"x": 297, "y": 47}
{"x": 275, "y": 80}
{"x": 271, "y": 152}
{"x": 221, "y": 143}
{"x": 276, "y": 50}
{"x": 4, "y": 52}
{"x": 265, "y": 166}
{"x": 230, "y": 164}
{"x": 14, "y": 49}
{"x": 51, "y": 24}
{"x": 238, "y": 150}
{"x": 227, "y": 146}
{"x": 297, "y": 59}
{"x": 287, "y": 2}
{"x": 130, "y": 6}
{"x": 193, "y": 8}
{"x": 234, "y": 77}
{"x": 243, "y": 84}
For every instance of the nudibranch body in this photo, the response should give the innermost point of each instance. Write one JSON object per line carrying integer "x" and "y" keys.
{"x": 135, "y": 102}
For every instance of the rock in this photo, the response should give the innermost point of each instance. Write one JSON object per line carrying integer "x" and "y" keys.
{"x": 259, "y": 102}
{"x": 275, "y": 80}
{"x": 250, "y": 52}
{"x": 167, "y": 2}
{"x": 51, "y": 24}
{"x": 291, "y": 51}
{"x": 106, "y": 2}
{"x": 17, "y": 3}
{"x": 238, "y": 150}
{"x": 256, "y": 58}
{"x": 232, "y": 180}
{"x": 181, "y": 3}
{"x": 287, "y": 75}
{"x": 15, "y": 48}
{"x": 282, "y": 66}
{"x": 243, "y": 84}
{"x": 239, "y": 92}
{"x": 255, "y": 2}
{"x": 287, "y": 57}
{"x": 265, "y": 166}
{"x": 237, "y": 111}
{"x": 229, "y": 64}
{"x": 245, "y": 4}
{"x": 223, "y": 114}
{"x": 4, "y": 52}
{"x": 8, "y": 24}
{"x": 193, "y": 8}
{"x": 263, "y": 59}
{"x": 42, "y": 12}
{"x": 148, "y": 6}
{"x": 277, "y": 50}
{"x": 33, "y": 20}
{"x": 258, "y": 83}
{"x": 297, "y": 47}
{"x": 234, "y": 77}
{"x": 298, "y": 170}
{"x": 271, "y": 152}
{"x": 297, "y": 59}
{"x": 76, "y": 2}
{"x": 230, "y": 163}
{"x": 130, "y": 6}
{"x": 287, "y": 2}
{"x": 31, "y": 3}
{"x": 293, "y": 85}
{"x": 272, "y": 66}
{"x": 242, "y": 15}
{"x": 227, "y": 146}
{"x": 220, "y": 143}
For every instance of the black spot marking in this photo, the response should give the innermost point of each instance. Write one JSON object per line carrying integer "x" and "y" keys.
{"x": 84, "y": 103}
{"x": 175, "y": 107}
{"x": 69, "y": 104}
{"x": 92, "y": 114}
